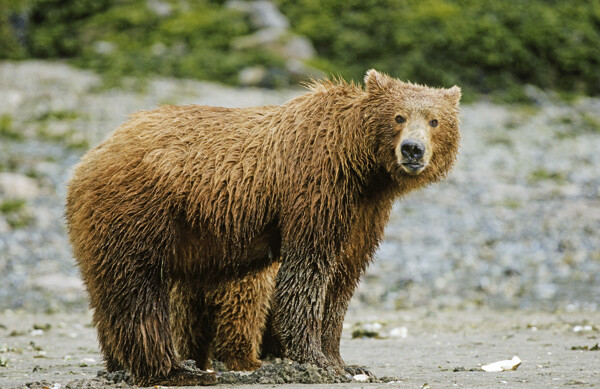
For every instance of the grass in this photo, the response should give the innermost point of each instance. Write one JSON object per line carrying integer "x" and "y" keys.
{"x": 16, "y": 213}
{"x": 578, "y": 123}
{"x": 542, "y": 174}
{"x": 511, "y": 203}
{"x": 59, "y": 115}
{"x": 7, "y": 129}
{"x": 70, "y": 137}
{"x": 8, "y": 206}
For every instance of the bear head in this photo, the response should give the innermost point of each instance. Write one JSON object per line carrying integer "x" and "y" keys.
{"x": 415, "y": 127}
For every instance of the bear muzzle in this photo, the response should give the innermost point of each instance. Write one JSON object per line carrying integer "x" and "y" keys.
{"x": 413, "y": 153}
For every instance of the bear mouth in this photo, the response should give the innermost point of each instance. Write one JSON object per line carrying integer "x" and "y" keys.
{"x": 412, "y": 167}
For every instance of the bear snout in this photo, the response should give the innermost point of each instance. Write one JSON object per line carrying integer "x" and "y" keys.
{"x": 412, "y": 152}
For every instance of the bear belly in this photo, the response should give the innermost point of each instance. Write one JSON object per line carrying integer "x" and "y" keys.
{"x": 211, "y": 259}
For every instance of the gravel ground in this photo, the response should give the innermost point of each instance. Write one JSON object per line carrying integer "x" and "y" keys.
{"x": 516, "y": 224}
{"x": 464, "y": 263}
{"x": 416, "y": 348}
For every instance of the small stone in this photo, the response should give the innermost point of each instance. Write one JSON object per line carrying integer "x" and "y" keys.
{"x": 161, "y": 8}
{"x": 103, "y": 47}
{"x": 265, "y": 38}
{"x": 15, "y": 185}
{"x": 298, "y": 47}
{"x": 399, "y": 332}
{"x": 263, "y": 14}
{"x": 252, "y": 76}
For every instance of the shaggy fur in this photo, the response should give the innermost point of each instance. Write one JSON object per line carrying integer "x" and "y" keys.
{"x": 231, "y": 316}
{"x": 193, "y": 204}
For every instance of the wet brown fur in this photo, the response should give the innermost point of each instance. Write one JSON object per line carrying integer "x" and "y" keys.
{"x": 199, "y": 205}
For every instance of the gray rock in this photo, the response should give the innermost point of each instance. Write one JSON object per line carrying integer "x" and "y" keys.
{"x": 266, "y": 38}
{"x": 15, "y": 185}
{"x": 161, "y": 8}
{"x": 281, "y": 42}
{"x": 263, "y": 14}
{"x": 4, "y": 227}
{"x": 298, "y": 71}
{"x": 298, "y": 47}
{"x": 252, "y": 76}
{"x": 103, "y": 47}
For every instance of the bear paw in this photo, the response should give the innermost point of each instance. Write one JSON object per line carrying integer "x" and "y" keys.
{"x": 240, "y": 364}
{"x": 181, "y": 377}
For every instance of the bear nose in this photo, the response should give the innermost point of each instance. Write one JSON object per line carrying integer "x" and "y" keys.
{"x": 412, "y": 149}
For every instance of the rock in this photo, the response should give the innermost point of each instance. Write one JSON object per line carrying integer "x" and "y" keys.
{"x": 103, "y": 47}
{"x": 298, "y": 71}
{"x": 15, "y": 185}
{"x": 58, "y": 282}
{"x": 4, "y": 227}
{"x": 263, "y": 14}
{"x": 252, "y": 76}
{"x": 279, "y": 41}
{"x": 266, "y": 38}
{"x": 298, "y": 47}
{"x": 161, "y": 8}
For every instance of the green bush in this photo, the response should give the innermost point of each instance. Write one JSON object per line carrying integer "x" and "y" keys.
{"x": 10, "y": 47}
{"x": 482, "y": 45}
{"x": 57, "y": 26}
{"x": 190, "y": 42}
{"x": 128, "y": 38}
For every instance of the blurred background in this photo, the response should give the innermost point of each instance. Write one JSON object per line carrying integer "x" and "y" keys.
{"x": 517, "y": 223}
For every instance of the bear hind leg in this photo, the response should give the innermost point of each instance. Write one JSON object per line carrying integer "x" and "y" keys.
{"x": 242, "y": 306}
{"x": 191, "y": 324}
{"x": 133, "y": 327}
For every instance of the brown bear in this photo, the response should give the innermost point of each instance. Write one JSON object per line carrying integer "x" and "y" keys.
{"x": 182, "y": 216}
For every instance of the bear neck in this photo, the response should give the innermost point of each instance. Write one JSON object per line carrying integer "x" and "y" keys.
{"x": 327, "y": 127}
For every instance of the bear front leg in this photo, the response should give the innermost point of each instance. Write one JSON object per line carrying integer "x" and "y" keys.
{"x": 336, "y": 305}
{"x": 340, "y": 290}
{"x": 365, "y": 233}
{"x": 298, "y": 305}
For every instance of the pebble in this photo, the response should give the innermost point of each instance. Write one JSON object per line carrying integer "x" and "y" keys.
{"x": 13, "y": 185}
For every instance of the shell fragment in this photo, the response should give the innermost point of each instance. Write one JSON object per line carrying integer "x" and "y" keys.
{"x": 361, "y": 377}
{"x": 507, "y": 364}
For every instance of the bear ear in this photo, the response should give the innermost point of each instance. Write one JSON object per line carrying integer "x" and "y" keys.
{"x": 375, "y": 81}
{"x": 453, "y": 94}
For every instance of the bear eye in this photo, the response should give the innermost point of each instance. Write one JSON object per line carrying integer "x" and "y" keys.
{"x": 433, "y": 123}
{"x": 400, "y": 119}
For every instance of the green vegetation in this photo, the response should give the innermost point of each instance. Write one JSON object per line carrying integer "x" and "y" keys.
{"x": 130, "y": 38}
{"x": 7, "y": 129}
{"x": 12, "y": 205}
{"x": 10, "y": 47}
{"x": 58, "y": 115}
{"x": 542, "y": 174}
{"x": 16, "y": 213}
{"x": 482, "y": 45}
{"x": 577, "y": 124}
